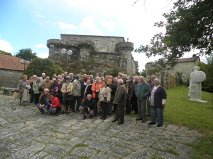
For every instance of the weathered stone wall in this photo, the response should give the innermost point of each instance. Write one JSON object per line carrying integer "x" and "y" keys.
{"x": 102, "y": 43}
{"x": 9, "y": 78}
{"x": 92, "y": 53}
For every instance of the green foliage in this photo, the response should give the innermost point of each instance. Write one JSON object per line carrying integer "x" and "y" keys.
{"x": 188, "y": 26}
{"x": 180, "y": 111}
{"x": 26, "y": 54}
{"x": 5, "y": 53}
{"x": 208, "y": 69}
{"x": 38, "y": 66}
{"x": 143, "y": 73}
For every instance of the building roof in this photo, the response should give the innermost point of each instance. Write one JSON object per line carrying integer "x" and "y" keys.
{"x": 191, "y": 59}
{"x": 8, "y": 62}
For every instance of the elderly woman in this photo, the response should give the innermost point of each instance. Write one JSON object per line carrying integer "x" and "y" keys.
{"x": 157, "y": 102}
{"x": 104, "y": 98}
{"x": 21, "y": 87}
{"x": 67, "y": 94}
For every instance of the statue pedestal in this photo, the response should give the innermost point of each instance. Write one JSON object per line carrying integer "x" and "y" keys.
{"x": 198, "y": 100}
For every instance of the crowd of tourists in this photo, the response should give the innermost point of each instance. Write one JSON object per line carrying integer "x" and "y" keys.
{"x": 95, "y": 96}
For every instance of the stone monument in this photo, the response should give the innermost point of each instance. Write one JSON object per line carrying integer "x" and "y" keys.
{"x": 196, "y": 77}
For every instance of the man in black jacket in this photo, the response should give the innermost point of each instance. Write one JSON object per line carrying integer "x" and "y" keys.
{"x": 157, "y": 102}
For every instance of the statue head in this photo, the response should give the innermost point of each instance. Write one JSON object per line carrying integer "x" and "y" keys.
{"x": 196, "y": 68}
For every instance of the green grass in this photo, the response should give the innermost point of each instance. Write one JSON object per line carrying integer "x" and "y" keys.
{"x": 180, "y": 111}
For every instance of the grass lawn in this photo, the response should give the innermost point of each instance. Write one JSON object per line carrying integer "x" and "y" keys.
{"x": 180, "y": 111}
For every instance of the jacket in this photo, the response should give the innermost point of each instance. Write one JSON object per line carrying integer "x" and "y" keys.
{"x": 96, "y": 89}
{"x": 142, "y": 91}
{"x": 159, "y": 95}
{"x": 55, "y": 102}
{"x": 105, "y": 92}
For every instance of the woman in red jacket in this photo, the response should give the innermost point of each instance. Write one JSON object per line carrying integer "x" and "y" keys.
{"x": 55, "y": 105}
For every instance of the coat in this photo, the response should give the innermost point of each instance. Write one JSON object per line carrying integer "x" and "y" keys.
{"x": 96, "y": 89}
{"x": 120, "y": 96}
{"x": 159, "y": 95}
{"x": 67, "y": 88}
{"x": 142, "y": 91}
{"x": 105, "y": 92}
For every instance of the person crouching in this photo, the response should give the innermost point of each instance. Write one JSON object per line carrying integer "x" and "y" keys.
{"x": 87, "y": 107}
{"x": 55, "y": 105}
{"x": 44, "y": 101}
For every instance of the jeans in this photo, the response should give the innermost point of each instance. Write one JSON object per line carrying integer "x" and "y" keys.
{"x": 157, "y": 114}
{"x": 142, "y": 109}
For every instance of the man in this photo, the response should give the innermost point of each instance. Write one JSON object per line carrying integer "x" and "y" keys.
{"x": 157, "y": 101}
{"x": 87, "y": 107}
{"x": 120, "y": 102}
{"x": 151, "y": 84}
{"x": 132, "y": 96}
{"x": 142, "y": 92}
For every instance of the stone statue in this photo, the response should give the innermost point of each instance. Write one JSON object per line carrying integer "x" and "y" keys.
{"x": 196, "y": 77}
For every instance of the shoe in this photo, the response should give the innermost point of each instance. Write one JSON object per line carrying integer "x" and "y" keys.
{"x": 103, "y": 118}
{"x": 151, "y": 123}
{"x": 120, "y": 122}
{"x": 84, "y": 117}
{"x": 138, "y": 118}
{"x": 143, "y": 120}
{"x": 159, "y": 125}
{"x": 114, "y": 120}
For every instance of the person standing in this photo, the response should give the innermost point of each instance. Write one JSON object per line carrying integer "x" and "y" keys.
{"x": 76, "y": 93}
{"x": 157, "y": 102}
{"x": 96, "y": 86}
{"x": 142, "y": 92}
{"x": 120, "y": 102}
{"x": 104, "y": 98}
{"x": 67, "y": 94}
{"x": 21, "y": 86}
{"x": 151, "y": 84}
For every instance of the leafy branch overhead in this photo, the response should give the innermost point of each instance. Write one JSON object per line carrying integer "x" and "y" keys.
{"x": 188, "y": 26}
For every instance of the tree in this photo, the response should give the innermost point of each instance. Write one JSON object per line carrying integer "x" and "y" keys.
{"x": 188, "y": 26}
{"x": 207, "y": 85}
{"x": 38, "y": 66}
{"x": 5, "y": 53}
{"x": 26, "y": 54}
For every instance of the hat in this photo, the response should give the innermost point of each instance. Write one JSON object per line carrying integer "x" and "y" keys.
{"x": 67, "y": 78}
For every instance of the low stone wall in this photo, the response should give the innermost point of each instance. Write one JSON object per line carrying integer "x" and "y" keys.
{"x": 9, "y": 78}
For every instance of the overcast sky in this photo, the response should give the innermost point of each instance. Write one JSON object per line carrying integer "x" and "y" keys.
{"x": 30, "y": 23}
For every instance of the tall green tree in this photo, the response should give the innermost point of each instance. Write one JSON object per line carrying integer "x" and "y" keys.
{"x": 26, "y": 54}
{"x": 189, "y": 25}
{"x": 38, "y": 66}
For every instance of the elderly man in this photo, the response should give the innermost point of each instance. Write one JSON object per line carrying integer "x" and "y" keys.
{"x": 120, "y": 102}
{"x": 142, "y": 91}
{"x": 151, "y": 84}
{"x": 157, "y": 101}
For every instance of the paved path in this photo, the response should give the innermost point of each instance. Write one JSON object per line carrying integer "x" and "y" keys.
{"x": 25, "y": 133}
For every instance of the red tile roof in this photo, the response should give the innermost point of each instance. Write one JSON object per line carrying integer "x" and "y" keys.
{"x": 8, "y": 62}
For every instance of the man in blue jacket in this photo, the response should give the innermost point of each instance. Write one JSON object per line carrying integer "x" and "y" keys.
{"x": 142, "y": 91}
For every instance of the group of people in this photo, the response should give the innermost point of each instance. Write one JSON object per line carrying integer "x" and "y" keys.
{"x": 95, "y": 96}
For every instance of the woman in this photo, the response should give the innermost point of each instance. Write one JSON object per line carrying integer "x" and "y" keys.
{"x": 36, "y": 89}
{"x": 104, "y": 98}
{"x": 157, "y": 102}
{"x": 55, "y": 105}
{"x": 21, "y": 86}
{"x": 67, "y": 94}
